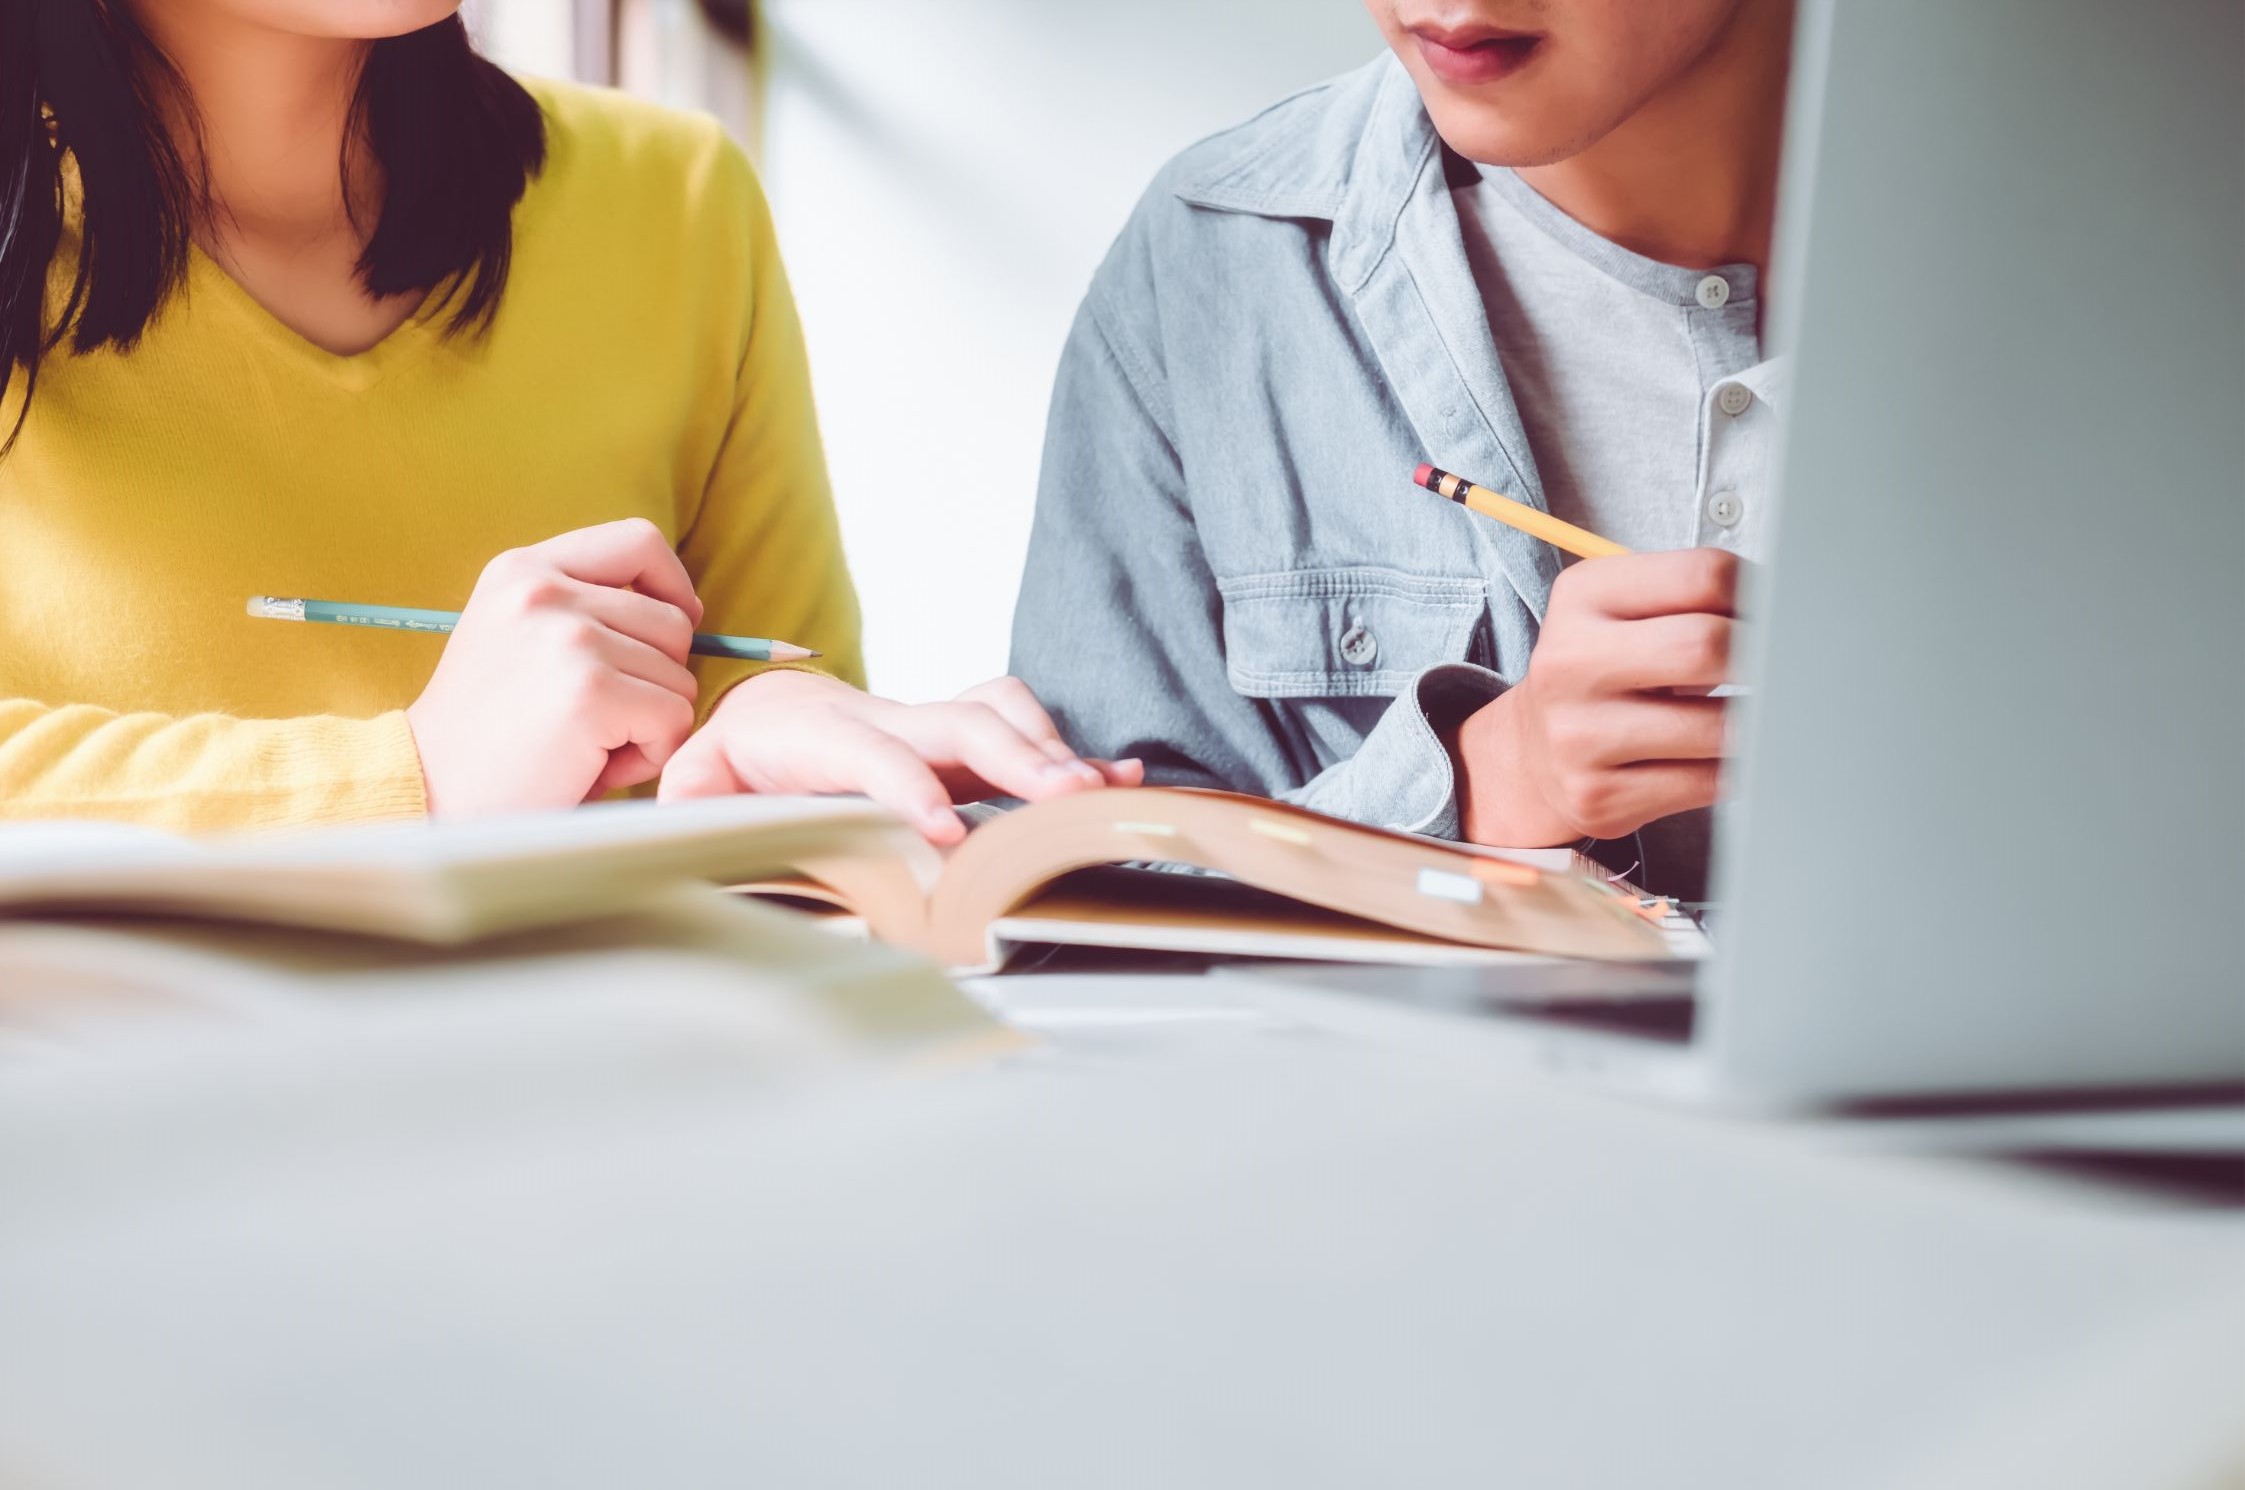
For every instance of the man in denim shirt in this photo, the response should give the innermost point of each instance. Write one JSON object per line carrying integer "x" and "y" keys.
{"x": 1525, "y": 248}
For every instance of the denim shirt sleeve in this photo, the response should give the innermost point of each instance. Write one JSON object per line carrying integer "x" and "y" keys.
{"x": 1119, "y": 627}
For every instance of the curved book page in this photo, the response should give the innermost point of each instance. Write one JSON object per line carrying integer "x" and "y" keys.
{"x": 1397, "y": 879}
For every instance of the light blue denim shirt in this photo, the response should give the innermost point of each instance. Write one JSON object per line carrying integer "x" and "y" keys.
{"x": 1231, "y": 573}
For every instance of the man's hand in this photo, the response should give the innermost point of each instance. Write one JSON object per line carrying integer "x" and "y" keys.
{"x": 566, "y": 676}
{"x": 1610, "y": 729}
{"x": 800, "y": 732}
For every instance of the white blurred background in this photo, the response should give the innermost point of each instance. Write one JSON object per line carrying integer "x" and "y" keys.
{"x": 946, "y": 174}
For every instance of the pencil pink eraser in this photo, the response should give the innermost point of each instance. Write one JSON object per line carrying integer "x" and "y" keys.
{"x": 1422, "y": 475}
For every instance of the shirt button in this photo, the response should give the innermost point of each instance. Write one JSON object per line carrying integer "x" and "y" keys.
{"x": 1734, "y": 398}
{"x": 1725, "y": 508}
{"x": 1359, "y": 646}
{"x": 1713, "y": 291}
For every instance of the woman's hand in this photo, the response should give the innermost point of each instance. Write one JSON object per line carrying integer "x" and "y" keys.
{"x": 801, "y": 732}
{"x": 1611, "y": 728}
{"x": 566, "y": 676}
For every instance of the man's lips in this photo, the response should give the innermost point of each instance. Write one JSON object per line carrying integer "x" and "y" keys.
{"x": 1474, "y": 54}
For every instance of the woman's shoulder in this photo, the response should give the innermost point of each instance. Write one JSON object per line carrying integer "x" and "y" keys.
{"x": 607, "y": 149}
{"x": 650, "y": 209}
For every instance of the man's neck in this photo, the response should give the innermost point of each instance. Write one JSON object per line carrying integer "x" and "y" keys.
{"x": 271, "y": 112}
{"x": 1691, "y": 177}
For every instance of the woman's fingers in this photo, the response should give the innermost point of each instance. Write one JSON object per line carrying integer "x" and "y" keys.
{"x": 801, "y": 733}
{"x": 1014, "y": 702}
{"x": 645, "y": 725}
{"x": 643, "y": 618}
{"x": 827, "y": 749}
{"x": 648, "y": 715}
{"x": 701, "y": 768}
{"x": 562, "y": 679}
{"x": 1018, "y": 706}
{"x": 626, "y": 768}
{"x": 631, "y": 553}
{"x": 635, "y": 659}
{"x": 977, "y": 739}
{"x": 893, "y": 774}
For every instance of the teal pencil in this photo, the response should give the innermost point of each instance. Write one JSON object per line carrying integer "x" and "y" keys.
{"x": 441, "y": 622}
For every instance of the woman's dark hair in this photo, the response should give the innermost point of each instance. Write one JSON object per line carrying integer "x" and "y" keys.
{"x": 457, "y": 139}
{"x": 735, "y": 20}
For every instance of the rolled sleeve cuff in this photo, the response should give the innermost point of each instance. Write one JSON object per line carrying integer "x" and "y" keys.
{"x": 1402, "y": 776}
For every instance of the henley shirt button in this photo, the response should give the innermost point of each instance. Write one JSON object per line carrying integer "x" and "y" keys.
{"x": 1358, "y": 645}
{"x": 1713, "y": 291}
{"x": 1734, "y": 398}
{"x": 1725, "y": 508}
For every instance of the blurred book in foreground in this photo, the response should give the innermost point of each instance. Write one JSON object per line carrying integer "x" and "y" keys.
{"x": 688, "y": 979}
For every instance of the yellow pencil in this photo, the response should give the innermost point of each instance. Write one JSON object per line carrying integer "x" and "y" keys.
{"x": 1580, "y": 542}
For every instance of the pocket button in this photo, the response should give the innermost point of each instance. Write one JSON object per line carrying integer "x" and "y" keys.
{"x": 1359, "y": 646}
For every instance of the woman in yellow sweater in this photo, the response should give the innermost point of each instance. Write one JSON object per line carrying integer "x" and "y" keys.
{"x": 301, "y": 297}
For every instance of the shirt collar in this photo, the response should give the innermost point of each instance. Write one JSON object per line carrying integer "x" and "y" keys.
{"x": 1357, "y": 169}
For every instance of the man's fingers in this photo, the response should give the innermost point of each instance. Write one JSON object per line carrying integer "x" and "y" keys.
{"x": 632, "y": 553}
{"x": 1130, "y": 772}
{"x": 1632, "y": 587}
{"x": 1658, "y": 789}
{"x": 1628, "y": 731}
{"x": 1615, "y": 802}
{"x": 1680, "y": 651}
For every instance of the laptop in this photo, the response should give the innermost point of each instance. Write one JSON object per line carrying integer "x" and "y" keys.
{"x": 1990, "y": 798}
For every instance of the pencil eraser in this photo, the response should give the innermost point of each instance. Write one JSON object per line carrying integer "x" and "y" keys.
{"x": 1423, "y": 476}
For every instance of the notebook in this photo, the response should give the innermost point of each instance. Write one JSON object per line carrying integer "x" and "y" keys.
{"x": 1264, "y": 879}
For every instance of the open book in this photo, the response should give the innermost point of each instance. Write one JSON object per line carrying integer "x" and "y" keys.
{"x": 1177, "y": 869}
{"x": 1274, "y": 880}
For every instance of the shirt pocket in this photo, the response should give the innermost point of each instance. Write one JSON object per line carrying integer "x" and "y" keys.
{"x": 1343, "y": 633}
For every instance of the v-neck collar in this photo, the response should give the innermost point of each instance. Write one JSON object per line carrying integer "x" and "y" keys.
{"x": 208, "y": 283}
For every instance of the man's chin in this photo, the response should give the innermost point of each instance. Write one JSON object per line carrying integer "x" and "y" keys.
{"x": 1472, "y": 132}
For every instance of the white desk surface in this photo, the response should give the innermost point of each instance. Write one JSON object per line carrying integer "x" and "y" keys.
{"x": 1204, "y": 1237}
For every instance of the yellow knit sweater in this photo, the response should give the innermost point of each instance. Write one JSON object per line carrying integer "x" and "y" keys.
{"x": 646, "y": 361}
